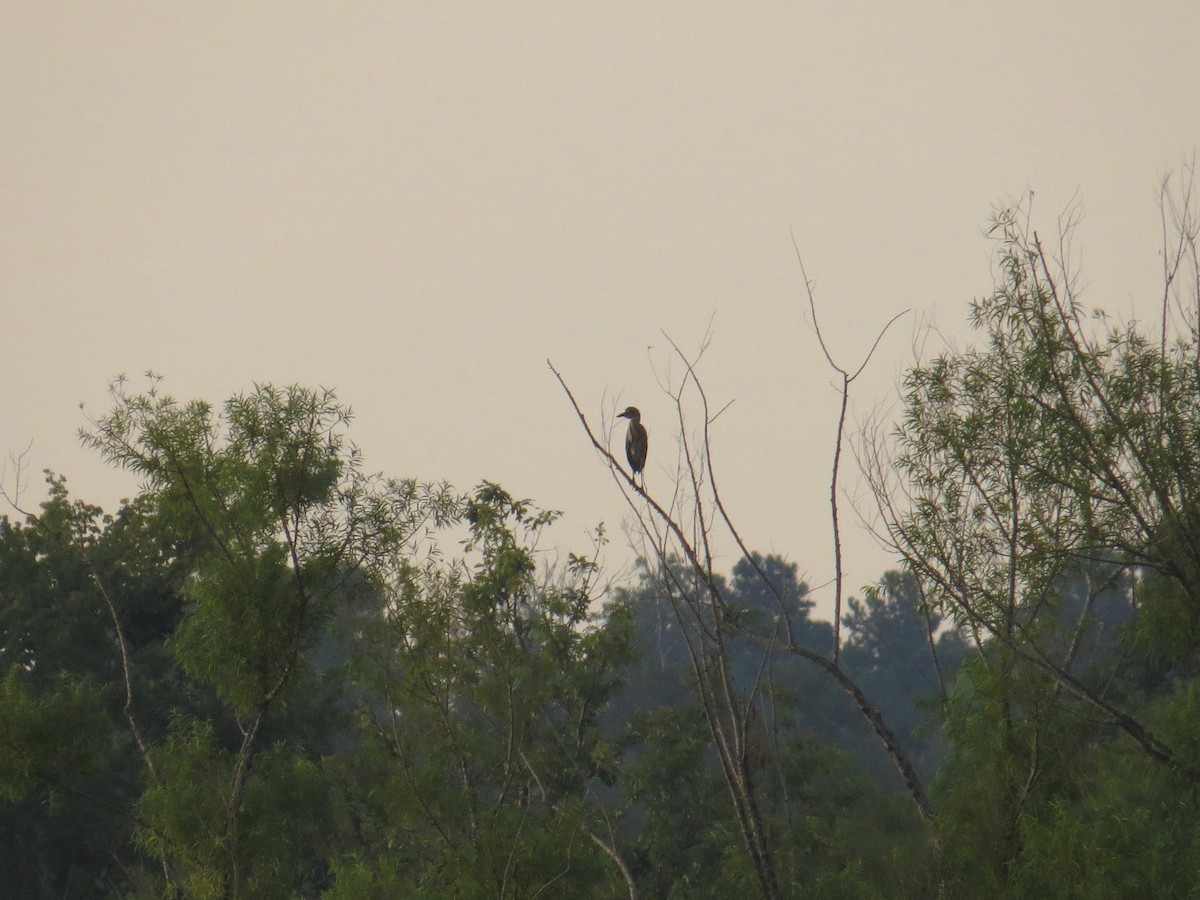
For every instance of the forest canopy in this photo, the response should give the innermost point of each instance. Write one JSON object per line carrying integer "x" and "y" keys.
{"x": 274, "y": 673}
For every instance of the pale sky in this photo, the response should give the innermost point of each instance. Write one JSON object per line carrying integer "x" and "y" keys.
{"x": 419, "y": 203}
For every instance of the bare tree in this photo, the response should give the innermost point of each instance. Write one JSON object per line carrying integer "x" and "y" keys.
{"x": 680, "y": 533}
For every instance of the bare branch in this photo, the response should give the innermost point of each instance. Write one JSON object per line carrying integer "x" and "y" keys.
{"x": 18, "y": 464}
{"x": 720, "y": 707}
{"x": 847, "y": 379}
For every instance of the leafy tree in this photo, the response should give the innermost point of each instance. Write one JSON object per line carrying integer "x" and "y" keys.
{"x": 1039, "y": 481}
{"x": 482, "y": 748}
{"x": 268, "y": 692}
{"x": 69, "y": 575}
{"x": 1048, "y": 453}
{"x": 290, "y": 534}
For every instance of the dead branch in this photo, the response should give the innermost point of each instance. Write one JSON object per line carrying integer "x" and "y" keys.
{"x": 847, "y": 378}
{"x": 721, "y": 621}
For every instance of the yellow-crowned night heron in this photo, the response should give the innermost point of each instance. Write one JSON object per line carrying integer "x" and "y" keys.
{"x": 637, "y": 441}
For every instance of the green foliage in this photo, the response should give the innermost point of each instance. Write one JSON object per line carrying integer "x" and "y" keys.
{"x": 1051, "y": 515}
{"x": 896, "y": 651}
{"x": 1050, "y": 450}
{"x": 68, "y": 764}
{"x": 263, "y": 519}
{"x": 480, "y": 760}
{"x": 54, "y": 740}
{"x": 1133, "y": 825}
{"x": 837, "y": 828}
{"x": 685, "y": 827}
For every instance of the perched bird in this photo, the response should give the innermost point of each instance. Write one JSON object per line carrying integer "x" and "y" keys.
{"x": 637, "y": 441}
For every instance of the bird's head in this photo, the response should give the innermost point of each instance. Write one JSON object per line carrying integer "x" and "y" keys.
{"x": 631, "y": 413}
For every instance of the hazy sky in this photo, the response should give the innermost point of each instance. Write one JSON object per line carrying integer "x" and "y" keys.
{"x": 418, "y": 203}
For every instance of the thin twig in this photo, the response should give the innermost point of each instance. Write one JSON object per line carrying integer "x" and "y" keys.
{"x": 847, "y": 379}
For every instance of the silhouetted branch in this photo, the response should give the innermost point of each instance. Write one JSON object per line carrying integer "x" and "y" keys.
{"x": 847, "y": 379}
{"x": 770, "y": 643}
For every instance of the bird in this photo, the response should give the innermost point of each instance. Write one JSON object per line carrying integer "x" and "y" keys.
{"x": 637, "y": 441}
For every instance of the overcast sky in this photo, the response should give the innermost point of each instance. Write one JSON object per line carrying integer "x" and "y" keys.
{"x": 419, "y": 203}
